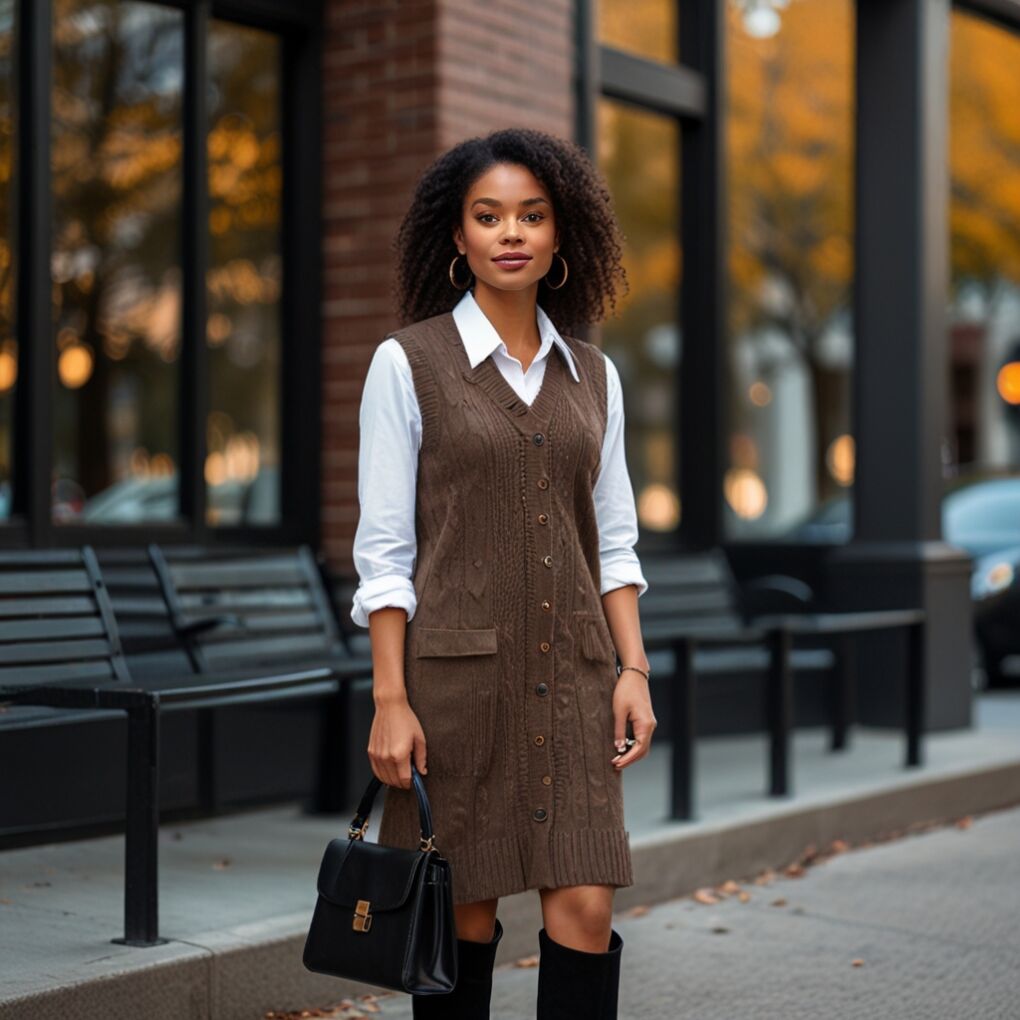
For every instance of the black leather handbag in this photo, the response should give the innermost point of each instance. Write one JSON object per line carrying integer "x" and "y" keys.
{"x": 384, "y": 914}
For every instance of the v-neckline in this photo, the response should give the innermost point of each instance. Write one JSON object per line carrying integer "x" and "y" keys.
{"x": 487, "y": 375}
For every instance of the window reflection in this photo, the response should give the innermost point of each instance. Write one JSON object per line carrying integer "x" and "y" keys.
{"x": 790, "y": 349}
{"x": 8, "y": 340}
{"x": 984, "y": 112}
{"x": 116, "y": 153}
{"x": 638, "y": 153}
{"x": 646, "y": 28}
{"x": 242, "y": 467}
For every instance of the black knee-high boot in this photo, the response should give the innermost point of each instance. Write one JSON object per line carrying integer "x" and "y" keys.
{"x": 574, "y": 983}
{"x": 470, "y": 997}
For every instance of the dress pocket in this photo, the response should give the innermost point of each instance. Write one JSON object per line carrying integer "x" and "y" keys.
{"x": 452, "y": 690}
{"x": 593, "y": 638}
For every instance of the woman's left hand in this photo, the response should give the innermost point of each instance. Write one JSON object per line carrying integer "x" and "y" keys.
{"x": 631, "y": 700}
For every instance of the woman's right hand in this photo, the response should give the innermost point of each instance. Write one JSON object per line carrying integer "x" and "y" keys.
{"x": 396, "y": 734}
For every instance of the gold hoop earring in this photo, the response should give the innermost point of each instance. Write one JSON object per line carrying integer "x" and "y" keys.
{"x": 453, "y": 281}
{"x": 566, "y": 270}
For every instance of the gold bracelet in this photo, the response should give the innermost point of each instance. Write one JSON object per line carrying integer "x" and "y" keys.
{"x": 638, "y": 669}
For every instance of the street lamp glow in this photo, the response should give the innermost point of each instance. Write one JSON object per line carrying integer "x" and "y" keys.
{"x": 1008, "y": 382}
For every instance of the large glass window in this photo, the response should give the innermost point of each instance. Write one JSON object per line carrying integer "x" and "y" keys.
{"x": 244, "y": 278}
{"x": 790, "y": 346}
{"x": 984, "y": 112}
{"x": 8, "y": 226}
{"x": 647, "y": 28}
{"x": 116, "y": 179}
{"x": 639, "y": 152}
{"x": 117, "y": 163}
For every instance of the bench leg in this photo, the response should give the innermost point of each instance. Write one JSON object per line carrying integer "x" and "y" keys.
{"x": 683, "y": 726}
{"x": 843, "y": 690}
{"x": 779, "y": 699}
{"x": 915, "y": 707}
{"x": 141, "y": 843}
{"x": 332, "y": 792}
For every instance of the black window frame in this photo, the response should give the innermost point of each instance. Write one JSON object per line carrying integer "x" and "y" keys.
{"x": 298, "y": 26}
{"x": 690, "y": 91}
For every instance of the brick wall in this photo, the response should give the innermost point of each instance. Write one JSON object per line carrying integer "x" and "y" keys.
{"x": 402, "y": 81}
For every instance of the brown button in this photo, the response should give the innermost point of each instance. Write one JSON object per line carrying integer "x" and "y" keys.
{"x": 540, "y": 814}
{"x": 542, "y": 688}
{"x": 540, "y": 740}
{"x": 543, "y": 518}
{"x": 546, "y": 780}
{"x": 543, "y": 483}
{"x": 547, "y": 560}
{"x": 545, "y": 646}
{"x": 538, "y": 439}
{"x": 547, "y": 605}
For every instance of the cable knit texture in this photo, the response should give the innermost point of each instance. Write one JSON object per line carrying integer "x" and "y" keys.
{"x": 509, "y": 661}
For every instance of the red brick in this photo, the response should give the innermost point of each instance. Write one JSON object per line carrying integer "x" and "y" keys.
{"x": 402, "y": 81}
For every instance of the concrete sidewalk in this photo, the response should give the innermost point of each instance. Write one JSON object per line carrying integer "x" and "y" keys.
{"x": 236, "y": 892}
{"x": 926, "y": 926}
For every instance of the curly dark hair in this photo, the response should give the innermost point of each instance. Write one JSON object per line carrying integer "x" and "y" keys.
{"x": 590, "y": 237}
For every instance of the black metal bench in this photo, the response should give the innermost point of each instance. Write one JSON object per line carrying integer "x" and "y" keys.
{"x": 60, "y": 647}
{"x": 697, "y": 621}
{"x": 260, "y": 609}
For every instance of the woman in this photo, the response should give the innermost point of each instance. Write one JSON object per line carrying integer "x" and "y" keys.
{"x": 495, "y": 553}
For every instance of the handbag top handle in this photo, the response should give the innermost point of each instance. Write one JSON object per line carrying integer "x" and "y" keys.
{"x": 359, "y": 823}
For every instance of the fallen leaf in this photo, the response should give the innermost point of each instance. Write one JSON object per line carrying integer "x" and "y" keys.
{"x": 639, "y": 911}
{"x": 705, "y": 895}
{"x": 729, "y": 887}
{"x": 858, "y": 962}
{"x": 839, "y": 846}
{"x": 780, "y": 902}
{"x": 527, "y": 961}
{"x": 809, "y": 855}
{"x": 743, "y": 896}
{"x": 793, "y": 870}
{"x": 965, "y": 822}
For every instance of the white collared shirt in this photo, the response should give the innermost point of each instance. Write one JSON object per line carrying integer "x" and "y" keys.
{"x": 385, "y": 542}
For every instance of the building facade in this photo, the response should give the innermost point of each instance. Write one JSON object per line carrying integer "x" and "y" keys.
{"x": 198, "y": 201}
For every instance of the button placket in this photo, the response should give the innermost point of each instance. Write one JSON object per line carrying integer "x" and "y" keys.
{"x": 539, "y": 517}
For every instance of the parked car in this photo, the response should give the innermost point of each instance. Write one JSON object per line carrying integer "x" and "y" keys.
{"x": 981, "y": 516}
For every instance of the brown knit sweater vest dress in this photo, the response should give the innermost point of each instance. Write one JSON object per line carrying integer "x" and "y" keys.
{"x": 509, "y": 661}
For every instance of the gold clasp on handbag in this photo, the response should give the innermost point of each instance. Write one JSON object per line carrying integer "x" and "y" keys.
{"x": 427, "y": 844}
{"x": 354, "y": 833}
{"x": 362, "y": 918}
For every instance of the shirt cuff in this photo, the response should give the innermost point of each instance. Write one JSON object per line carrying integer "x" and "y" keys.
{"x": 620, "y": 569}
{"x": 386, "y": 590}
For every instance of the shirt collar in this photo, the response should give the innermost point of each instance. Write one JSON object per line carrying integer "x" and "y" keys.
{"x": 480, "y": 338}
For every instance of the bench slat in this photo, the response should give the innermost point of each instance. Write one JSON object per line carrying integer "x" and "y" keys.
{"x": 296, "y": 649}
{"x": 255, "y": 624}
{"x": 59, "y": 627}
{"x": 267, "y": 570}
{"x": 51, "y": 651}
{"x": 32, "y": 582}
{"x": 100, "y": 672}
{"x": 245, "y": 601}
{"x": 72, "y": 605}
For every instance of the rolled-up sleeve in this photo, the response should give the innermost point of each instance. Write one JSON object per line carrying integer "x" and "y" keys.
{"x": 385, "y": 542}
{"x": 615, "y": 510}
